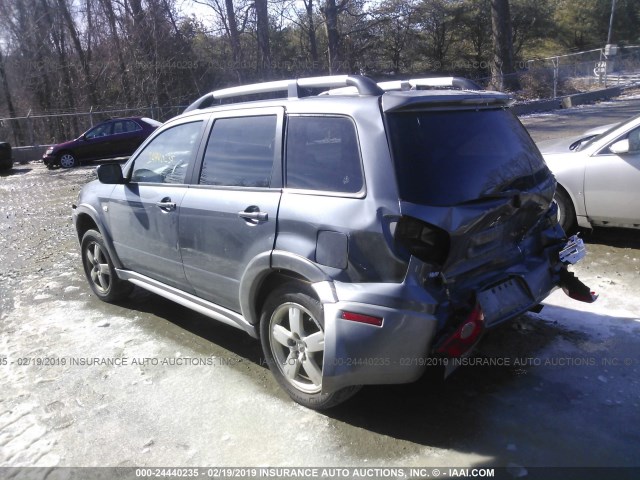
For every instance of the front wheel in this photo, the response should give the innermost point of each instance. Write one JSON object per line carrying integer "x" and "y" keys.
{"x": 292, "y": 335}
{"x": 99, "y": 269}
{"x": 566, "y": 212}
{"x": 67, "y": 160}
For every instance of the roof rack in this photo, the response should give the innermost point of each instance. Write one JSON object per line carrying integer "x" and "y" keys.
{"x": 458, "y": 83}
{"x": 359, "y": 83}
{"x": 434, "y": 82}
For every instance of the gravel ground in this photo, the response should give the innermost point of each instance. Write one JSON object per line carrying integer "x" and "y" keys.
{"x": 568, "y": 395}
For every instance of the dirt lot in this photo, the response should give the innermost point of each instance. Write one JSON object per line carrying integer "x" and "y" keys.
{"x": 567, "y": 393}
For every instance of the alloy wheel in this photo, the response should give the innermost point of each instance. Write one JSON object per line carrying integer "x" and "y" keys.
{"x": 297, "y": 344}
{"x": 98, "y": 267}
{"x": 67, "y": 160}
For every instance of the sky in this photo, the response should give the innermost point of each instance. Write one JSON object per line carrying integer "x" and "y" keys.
{"x": 190, "y": 7}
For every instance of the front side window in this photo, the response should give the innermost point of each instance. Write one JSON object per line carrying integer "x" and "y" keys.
{"x": 634, "y": 142}
{"x": 240, "y": 152}
{"x": 100, "y": 131}
{"x": 323, "y": 154}
{"x": 167, "y": 157}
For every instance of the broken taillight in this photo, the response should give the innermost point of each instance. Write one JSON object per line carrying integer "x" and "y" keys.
{"x": 574, "y": 288}
{"x": 422, "y": 240}
{"x": 465, "y": 336}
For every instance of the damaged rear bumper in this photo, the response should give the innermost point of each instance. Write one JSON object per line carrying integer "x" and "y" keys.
{"x": 573, "y": 252}
{"x": 413, "y": 319}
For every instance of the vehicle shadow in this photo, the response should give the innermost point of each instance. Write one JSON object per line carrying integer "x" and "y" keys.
{"x": 14, "y": 171}
{"x": 613, "y": 237}
{"x": 442, "y": 413}
{"x": 488, "y": 394}
{"x": 233, "y": 340}
{"x": 501, "y": 396}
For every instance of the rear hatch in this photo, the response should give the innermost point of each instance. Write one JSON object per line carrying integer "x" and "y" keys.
{"x": 475, "y": 193}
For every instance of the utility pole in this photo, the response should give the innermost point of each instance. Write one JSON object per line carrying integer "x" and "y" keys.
{"x": 613, "y": 7}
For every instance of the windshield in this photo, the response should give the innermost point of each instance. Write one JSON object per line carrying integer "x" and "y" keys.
{"x": 589, "y": 142}
{"x": 451, "y": 157}
{"x": 151, "y": 121}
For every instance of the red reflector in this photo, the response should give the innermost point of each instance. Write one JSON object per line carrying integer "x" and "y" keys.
{"x": 358, "y": 317}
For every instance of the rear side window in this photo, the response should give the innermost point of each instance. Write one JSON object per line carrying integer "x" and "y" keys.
{"x": 240, "y": 152}
{"x": 125, "y": 126}
{"x": 323, "y": 154}
{"x": 447, "y": 158}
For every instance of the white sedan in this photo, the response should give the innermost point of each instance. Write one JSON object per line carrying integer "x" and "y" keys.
{"x": 598, "y": 176}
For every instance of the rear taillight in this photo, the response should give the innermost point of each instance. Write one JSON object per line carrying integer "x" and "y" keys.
{"x": 422, "y": 240}
{"x": 465, "y": 336}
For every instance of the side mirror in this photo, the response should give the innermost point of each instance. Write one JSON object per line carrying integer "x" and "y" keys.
{"x": 620, "y": 147}
{"x": 110, "y": 173}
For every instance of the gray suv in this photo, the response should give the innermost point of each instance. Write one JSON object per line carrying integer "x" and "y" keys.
{"x": 355, "y": 228}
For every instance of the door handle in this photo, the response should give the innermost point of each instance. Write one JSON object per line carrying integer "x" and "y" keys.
{"x": 254, "y": 215}
{"x": 166, "y": 204}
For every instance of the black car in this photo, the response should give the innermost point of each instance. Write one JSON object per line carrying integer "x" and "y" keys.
{"x": 118, "y": 137}
{"x": 6, "y": 162}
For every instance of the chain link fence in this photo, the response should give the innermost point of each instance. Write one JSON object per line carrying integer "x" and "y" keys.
{"x": 52, "y": 128}
{"x": 553, "y": 77}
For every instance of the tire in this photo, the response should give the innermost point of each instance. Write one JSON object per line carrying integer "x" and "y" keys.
{"x": 295, "y": 351}
{"x": 100, "y": 271}
{"x": 566, "y": 212}
{"x": 67, "y": 160}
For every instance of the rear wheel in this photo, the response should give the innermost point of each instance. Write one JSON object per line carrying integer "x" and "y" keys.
{"x": 99, "y": 269}
{"x": 67, "y": 160}
{"x": 566, "y": 212}
{"x": 292, "y": 335}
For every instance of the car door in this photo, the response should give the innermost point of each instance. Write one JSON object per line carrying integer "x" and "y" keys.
{"x": 612, "y": 183}
{"x": 144, "y": 212}
{"x": 95, "y": 142}
{"x": 229, "y": 217}
{"x": 126, "y": 137}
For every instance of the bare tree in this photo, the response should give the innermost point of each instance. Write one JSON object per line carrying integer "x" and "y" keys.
{"x": 331, "y": 10}
{"x": 75, "y": 38}
{"x": 503, "y": 75}
{"x": 311, "y": 33}
{"x": 397, "y": 32}
{"x": 233, "y": 28}
{"x": 262, "y": 30}
{"x": 8, "y": 98}
{"x": 306, "y": 24}
{"x": 58, "y": 39}
{"x": 115, "y": 38}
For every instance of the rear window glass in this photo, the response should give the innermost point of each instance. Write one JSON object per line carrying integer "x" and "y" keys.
{"x": 240, "y": 152}
{"x": 447, "y": 158}
{"x": 323, "y": 154}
